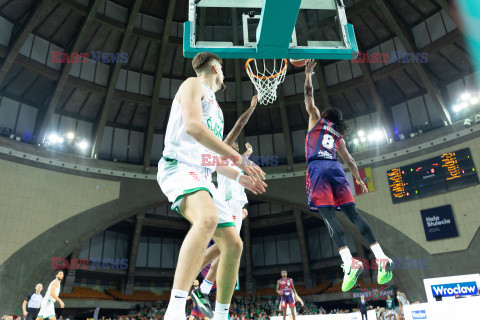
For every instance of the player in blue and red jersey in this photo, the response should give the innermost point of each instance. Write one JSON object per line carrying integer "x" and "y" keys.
{"x": 328, "y": 188}
{"x": 286, "y": 289}
{"x": 196, "y": 313}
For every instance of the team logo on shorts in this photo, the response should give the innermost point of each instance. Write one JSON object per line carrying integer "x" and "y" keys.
{"x": 194, "y": 176}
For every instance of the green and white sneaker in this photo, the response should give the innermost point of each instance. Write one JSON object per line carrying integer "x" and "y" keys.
{"x": 351, "y": 275}
{"x": 202, "y": 302}
{"x": 385, "y": 267}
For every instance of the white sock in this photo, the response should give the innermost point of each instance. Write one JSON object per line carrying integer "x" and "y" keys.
{"x": 176, "y": 306}
{"x": 221, "y": 311}
{"x": 346, "y": 256}
{"x": 378, "y": 252}
{"x": 206, "y": 286}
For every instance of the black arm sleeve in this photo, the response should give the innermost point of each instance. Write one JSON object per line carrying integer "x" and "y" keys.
{"x": 27, "y": 298}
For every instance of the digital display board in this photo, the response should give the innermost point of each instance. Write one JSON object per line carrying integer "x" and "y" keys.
{"x": 448, "y": 172}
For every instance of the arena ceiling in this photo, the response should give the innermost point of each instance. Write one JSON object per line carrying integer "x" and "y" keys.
{"x": 73, "y": 26}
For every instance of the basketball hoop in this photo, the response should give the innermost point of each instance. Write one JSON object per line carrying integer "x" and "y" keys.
{"x": 266, "y": 81}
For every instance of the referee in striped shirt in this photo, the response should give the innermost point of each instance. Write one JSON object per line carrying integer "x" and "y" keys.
{"x": 31, "y": 304}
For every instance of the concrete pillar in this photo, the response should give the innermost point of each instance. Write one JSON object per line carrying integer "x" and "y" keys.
{"x": 128, "y": 288}
{"x": 70, "y": 274}
{"x": 307, "y": 279}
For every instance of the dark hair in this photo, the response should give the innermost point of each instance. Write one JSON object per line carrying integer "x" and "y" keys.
{"x": 336, "y": 116}
{"x": 59, "y": 272}
{"x": 202, "y": 59}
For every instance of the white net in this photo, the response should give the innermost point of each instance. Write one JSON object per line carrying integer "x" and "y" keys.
{"x": 266, "y": 76}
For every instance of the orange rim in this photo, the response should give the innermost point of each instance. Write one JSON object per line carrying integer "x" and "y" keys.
{"x": 264, "y": 77}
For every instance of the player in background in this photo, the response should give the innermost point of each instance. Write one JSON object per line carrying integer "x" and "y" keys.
{"x": 286, "y": 289}
{"x": 47, "y": 307}
{"x": 32, "y": 303}
{"x": 234, "y": 195}
{"x": 195, "y": 132}
{"x": 196, "y": 313}
{"x": 390, "y": 308}
{"x": 328, "y": 188}
{"x": 402, "y": 301}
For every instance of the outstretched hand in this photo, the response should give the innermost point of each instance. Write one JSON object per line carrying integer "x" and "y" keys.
{"x": 362, "y": 185}
{"x": 310, "y": 66}
{"x": 253, "y": 104}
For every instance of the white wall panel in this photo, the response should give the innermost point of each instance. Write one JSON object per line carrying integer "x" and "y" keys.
{"x": 135, "y": 150}
{"x": 402, "y": 119}
{"x": 283, "y": 254}
{"x": 419, "y": 112}
{"x": 294, "y": 244}
{"x": 27, "y": 46}
{"x": 449, "y": 24}
{"x": 154, "y": 250}
{"x": 157, "y": 148}
{"x": 165, "y": 88}
{"x": 67, "y": 125}
{"x": 420, "y": 34}
{"x": 116, "y": 12}
{"x": 56, "y": 66}
{"x": 96, "y": 246}
{"x": 26, "y": 122}
{"x": 168, "y": 253}
{"x": 133, "y": 82}
{"x": 142, "y": 252}
{"x": 146, "y": 85}
{"x": 87, "y": 71}
{"x": 344, "y": 71}
{"x": 40, "y": 50}
{"x": 356, "y": 70}
{"x": 152, "y": 24}
{"x": 121, "y": 80}
{"x": 8, "y": 112}
{"x": 436, "y": 27}
{"x": 102, "y": 74}
{"x": 175, "y": 85}
{"x": 279, "y": 145}
{"x": 120, "y": 142}
{"x": 109, "y": 245}
{"x": 121, "y": 251}
{"x": 5, "y": 31}
{"x": 106, "y": 145}
{"x": 75, "y": 70}
{"x": 298, "y": 141}
{"x": 266, "y": 145}
{"x": 331, "y": 75}
{"x": 258, "y": 257}
{"x": 270, "y": 251}
{"x": 388, "y": 47}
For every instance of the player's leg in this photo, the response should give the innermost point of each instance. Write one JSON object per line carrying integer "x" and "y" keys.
{"x": 212, "y": 254}
{"x": 352, "y": 268}
{"x": 284, "y": 311}
{"x": 200, "y": 210}
{"x": 292, "y": 309}
{"x": 231, "y": 246}
{"x": 385, "y": 264}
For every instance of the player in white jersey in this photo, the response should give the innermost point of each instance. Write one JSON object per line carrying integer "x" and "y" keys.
{"x": 47, "y": 307}
{"x": 234, "y": 195}
{"x": 193, "y": 149}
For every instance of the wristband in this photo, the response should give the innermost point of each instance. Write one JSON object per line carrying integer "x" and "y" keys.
{"x": 250, "y": 149}
{"x": 239, "y": 175}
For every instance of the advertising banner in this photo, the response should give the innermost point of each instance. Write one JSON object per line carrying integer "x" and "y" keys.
{"x": 449, "y": 287}
{"x": 439, "y": 223}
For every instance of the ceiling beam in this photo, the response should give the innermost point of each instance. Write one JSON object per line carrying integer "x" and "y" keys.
{"x": 155, "y": 103}
{"x": 409, "y": 44}
{"x": 286, "y": 128}
{"x": 113, "y": 80}
{"x": 40, "y": 9}
{"x": 64, "y": 73}
{"x": 385, "y": 113}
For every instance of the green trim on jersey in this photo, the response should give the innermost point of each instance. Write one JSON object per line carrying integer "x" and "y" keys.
{"x": 47, "y": 317}
{"x": 188, "y": 191}
{"x": 170, "y": 163}
{"x": 226, "y": 224}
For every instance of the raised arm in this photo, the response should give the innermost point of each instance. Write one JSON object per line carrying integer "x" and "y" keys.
{"x": 241, "y": 122}
{"x": 313, "y": 112}
{"x": 190, "y": 94}
{"x": 352, "y": 166}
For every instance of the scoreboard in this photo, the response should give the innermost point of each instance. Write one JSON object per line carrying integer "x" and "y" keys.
{"x": 448, "y": 172}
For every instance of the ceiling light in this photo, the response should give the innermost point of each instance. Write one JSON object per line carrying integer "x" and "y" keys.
{"x": 361, "y": 133}
{"x": 53, "y": 138}
{"x": 70, "y": 136}
{"x": 363, "y": 139}
{"x": 465, "y": 96}
{"x": 83, "y": 145}
{"x": 355, "y": 141}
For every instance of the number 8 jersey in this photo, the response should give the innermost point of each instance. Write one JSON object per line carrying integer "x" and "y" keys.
{"x": 322, "y": 142}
